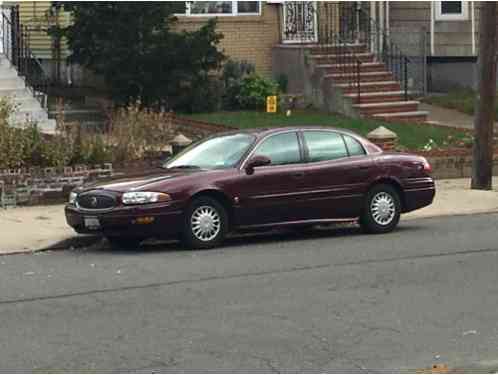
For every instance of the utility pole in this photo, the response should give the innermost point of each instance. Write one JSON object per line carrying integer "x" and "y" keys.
{"x": 482, "y": 163}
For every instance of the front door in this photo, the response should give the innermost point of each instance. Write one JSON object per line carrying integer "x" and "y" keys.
{"x": 272, "y": 193}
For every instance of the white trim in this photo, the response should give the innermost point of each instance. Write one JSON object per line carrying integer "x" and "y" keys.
{"x": 388, "y": 26}
{"x": 472, "y": 15}
{"x": 234, "y": 13}
{"x": 381, "y": 23}
{"x": 432, "y": 29}
{"x": 463, "y": 16}
{"x": 373, "y": 15}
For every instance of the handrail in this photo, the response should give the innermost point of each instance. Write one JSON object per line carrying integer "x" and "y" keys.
{"x": 16, "y": 48}
{"x": 347, "y": 61}
{"x": 385, "y": 50}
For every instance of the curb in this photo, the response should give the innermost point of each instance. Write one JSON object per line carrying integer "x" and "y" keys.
{"x": 82, "y": 241}
{"x": 432, "y": 216}
{"x": 73, "y": 242}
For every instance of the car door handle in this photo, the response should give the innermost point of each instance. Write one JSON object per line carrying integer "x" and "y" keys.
{"x": 364, "y": 167}
{"x": 298, "y": 175}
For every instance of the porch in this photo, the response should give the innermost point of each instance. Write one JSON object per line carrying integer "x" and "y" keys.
{"x": 342, "y": 57}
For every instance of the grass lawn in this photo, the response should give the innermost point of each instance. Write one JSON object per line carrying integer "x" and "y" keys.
{"x": 411, "y": 136}
{"x": 461, "y": 100}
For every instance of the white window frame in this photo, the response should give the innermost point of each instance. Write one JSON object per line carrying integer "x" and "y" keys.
{"x": 463, "y": 16}
{"x": 235, "y": 12}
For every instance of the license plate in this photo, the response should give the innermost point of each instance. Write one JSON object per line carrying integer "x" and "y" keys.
{"x": 92, "y": 223}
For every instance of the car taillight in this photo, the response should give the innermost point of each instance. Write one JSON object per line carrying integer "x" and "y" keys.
{"x": 427, "y": 166}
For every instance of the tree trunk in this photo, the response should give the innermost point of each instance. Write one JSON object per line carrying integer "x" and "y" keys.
{"x": 482, "y": 164}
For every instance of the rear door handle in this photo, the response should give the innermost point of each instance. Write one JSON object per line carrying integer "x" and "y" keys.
{"x": 364, "y": 167}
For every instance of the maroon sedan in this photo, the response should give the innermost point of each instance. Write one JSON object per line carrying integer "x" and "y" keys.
{"x": 258, "y": 178}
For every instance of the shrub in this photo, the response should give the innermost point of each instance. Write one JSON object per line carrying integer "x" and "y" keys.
{"x": 254, "y": 91}
{"x": 283, "y": 82}
{"x": 135, "y": 132}
{"x": 233, "y": 74}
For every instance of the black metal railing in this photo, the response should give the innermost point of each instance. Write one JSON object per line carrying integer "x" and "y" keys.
{"x": 16, "y": 48}
{"x": 376, "y": 38}
{"x": 351, "y": 28}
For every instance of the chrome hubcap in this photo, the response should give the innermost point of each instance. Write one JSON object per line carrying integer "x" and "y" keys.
{"x": 383, "y": 208}
{"x": 205, "y": 223}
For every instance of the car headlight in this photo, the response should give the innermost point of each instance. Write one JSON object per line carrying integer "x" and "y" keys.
{"x": 72, "y": 197}
{"x": 142, "y": 197}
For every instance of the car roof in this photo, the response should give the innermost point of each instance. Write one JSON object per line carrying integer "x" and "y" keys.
{"x": 262, "y": 132}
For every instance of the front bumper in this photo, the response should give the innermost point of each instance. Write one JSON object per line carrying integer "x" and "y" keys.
{"x": 167, "y": 220}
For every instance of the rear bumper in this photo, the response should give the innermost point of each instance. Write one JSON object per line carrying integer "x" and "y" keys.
{"x": 418, "y": 198}
{"x": 167, "y": 221}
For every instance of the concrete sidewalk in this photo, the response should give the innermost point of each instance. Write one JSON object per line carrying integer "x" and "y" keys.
{"x": 29, "y": 229}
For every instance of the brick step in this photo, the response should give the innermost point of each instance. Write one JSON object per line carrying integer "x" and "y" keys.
{"x": 338, "y": 48}
{"x": 387, "y": 107}
{"x": 377, "y": 97}
{"x": 346, "y": 68}
{"x": 367, "y": 87}
{"x": 343, "y": 59}
{"x": 364, "y": 77}
{"x": 414, "y": 116}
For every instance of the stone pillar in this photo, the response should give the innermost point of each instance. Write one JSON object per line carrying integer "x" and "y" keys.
{"x": 179, "y": 143}
{"x": 384, "y": 138}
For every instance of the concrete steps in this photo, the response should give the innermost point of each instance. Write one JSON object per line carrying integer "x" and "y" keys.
{"x": 389, "y": 107}
{"x": 28, "y": 107}
{"x": 334, "y": 48}
{"x": 381, "y": 95}
{"x": 351, "y": 68}
{"x": 366, "y": 87}
{"x": 377, "y": 96}
{"x": 364, "y": 76}
{"x": 347, "y": 59}
{"x": 414, "y": 116}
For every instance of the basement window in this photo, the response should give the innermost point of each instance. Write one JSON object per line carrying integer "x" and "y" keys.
{"x": 220, "y": 8}
{"x": 452, "y": 11}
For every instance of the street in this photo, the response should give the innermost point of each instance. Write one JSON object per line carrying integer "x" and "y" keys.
{"x": 333, "y": 300}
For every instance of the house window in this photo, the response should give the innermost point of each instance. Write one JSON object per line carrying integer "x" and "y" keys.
{"x": 452, "y": 11}
{"x": 220, "y": 8}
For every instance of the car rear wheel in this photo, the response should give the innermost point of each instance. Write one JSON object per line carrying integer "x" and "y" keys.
{"x": 382, "y": 209}
{"x": 206, "y": 224}
{"x": 127, "y": 243}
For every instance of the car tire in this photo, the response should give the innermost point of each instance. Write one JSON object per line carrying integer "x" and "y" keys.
{"x": 206, "y": 224}
{"x": 382, "y": 209}
{"x": 124, "y": 243}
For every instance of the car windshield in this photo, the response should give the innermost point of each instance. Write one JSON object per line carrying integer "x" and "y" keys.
{"x": 214, "y": 153}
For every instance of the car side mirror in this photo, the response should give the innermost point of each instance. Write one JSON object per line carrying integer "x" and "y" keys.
{"x": 257, "y": 161}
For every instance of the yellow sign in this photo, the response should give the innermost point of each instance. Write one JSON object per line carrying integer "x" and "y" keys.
{"x": 271, "y": 104}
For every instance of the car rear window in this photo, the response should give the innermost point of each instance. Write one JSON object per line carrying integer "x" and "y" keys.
{"x": 324, "y": 145}
{"x": 354, "y": 147}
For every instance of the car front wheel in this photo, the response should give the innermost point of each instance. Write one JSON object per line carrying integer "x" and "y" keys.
{"x": 382, "y": 209}
{"x": 206, "y": 224}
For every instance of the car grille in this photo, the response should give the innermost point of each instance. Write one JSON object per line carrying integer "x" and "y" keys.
{"x": 96, "y": 201}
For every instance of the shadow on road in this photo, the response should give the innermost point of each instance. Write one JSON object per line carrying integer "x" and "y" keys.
{"x": 251, "y": 239}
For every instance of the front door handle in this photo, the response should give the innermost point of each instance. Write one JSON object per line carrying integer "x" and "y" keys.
{"x": 364, "y": 167}
{"x": 298, "y": 175}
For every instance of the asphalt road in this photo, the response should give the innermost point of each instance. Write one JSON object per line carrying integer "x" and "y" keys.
{"x": 335, "y": 300}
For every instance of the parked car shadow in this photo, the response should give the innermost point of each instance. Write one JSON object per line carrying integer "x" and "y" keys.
{"x": 247, "y": 239}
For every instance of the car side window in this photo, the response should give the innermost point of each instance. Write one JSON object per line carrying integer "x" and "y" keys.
{"x": 354, "y": 147}
{"x": 281, "y": 149}
{"x": 325, "y": 145}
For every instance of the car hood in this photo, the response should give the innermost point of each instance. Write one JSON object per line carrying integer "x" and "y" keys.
{"x": 138, "y": 182}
